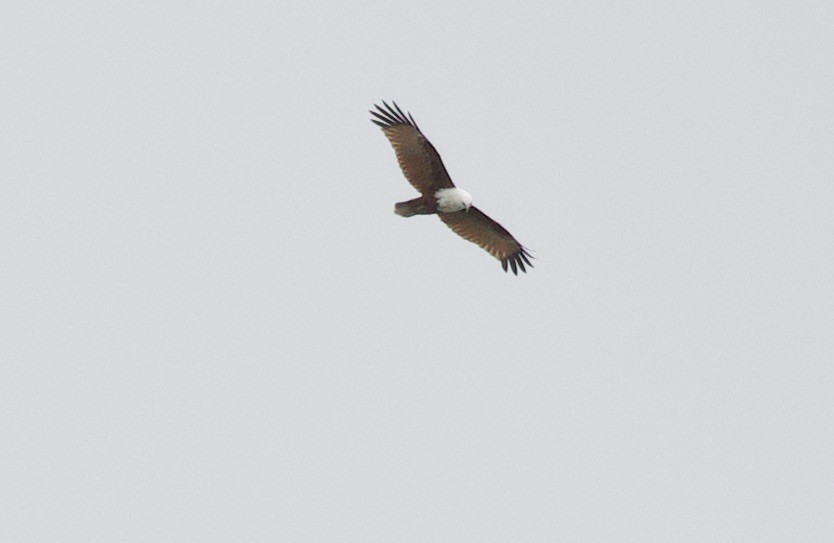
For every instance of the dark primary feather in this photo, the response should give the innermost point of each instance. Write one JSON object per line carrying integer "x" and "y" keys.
{"x": 419, "y": 160}
{"x": 390, "y": 117}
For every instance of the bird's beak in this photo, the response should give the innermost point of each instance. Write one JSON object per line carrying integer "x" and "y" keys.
{"x": 467, "y": 209}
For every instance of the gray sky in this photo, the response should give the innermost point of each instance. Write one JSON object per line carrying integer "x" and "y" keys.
{"x": 214, "y": 327}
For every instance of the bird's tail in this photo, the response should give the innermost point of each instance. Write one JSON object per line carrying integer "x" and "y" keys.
{"x": 417, "y": 206}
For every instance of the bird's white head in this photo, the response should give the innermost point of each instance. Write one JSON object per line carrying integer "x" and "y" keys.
{"x": 453, "y": 199}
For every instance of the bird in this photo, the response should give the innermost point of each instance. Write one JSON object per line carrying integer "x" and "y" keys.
{"x": 423, "y": 168}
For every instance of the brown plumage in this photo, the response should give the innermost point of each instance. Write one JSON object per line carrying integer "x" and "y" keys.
{"x": 422, "y": 166}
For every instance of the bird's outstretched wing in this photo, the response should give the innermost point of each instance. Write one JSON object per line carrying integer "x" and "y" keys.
{"x": 476, "y": 227}
{"x": 419, "y": 160}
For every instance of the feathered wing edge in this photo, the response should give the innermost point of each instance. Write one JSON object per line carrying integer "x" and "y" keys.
{"x": 476, "y": 226}
{"x": 389, "y": 116}
{"x": 517, "y": 260}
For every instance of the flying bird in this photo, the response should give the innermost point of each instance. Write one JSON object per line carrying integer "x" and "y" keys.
{"x": 422, "y": 166}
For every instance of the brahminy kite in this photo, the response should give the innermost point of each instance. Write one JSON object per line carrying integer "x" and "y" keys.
{"x": 422, "y": 166}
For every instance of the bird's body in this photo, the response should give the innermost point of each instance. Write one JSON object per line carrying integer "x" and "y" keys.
{"x": 442, "y": 201}
{"x": 422, "y": 166}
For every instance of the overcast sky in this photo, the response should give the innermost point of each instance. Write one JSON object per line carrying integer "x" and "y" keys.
{"x": 213, "y": 327}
